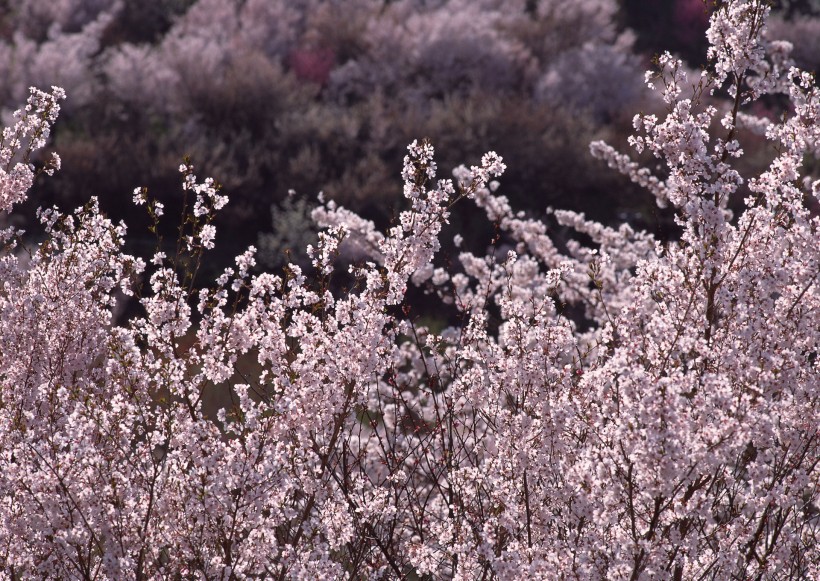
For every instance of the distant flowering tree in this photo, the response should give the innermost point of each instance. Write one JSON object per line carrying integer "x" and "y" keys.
{"x": 323, "y": 96}
{"x": 668, "y": 431}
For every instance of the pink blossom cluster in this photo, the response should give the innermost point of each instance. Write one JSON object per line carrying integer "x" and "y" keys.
{"x": 29, "y": 133}
{"x": 668, "y": 429}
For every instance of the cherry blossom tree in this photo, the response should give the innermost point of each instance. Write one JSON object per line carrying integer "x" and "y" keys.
{"x": 625, "y": 408}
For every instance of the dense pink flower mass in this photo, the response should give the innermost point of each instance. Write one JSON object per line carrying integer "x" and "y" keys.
{"x": 673, "y": 436}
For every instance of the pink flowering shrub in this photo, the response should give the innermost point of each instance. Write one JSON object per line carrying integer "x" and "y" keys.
{"x": 668, "y": 432}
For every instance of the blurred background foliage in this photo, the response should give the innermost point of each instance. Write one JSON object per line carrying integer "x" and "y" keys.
{"x": 308, "y": 96}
